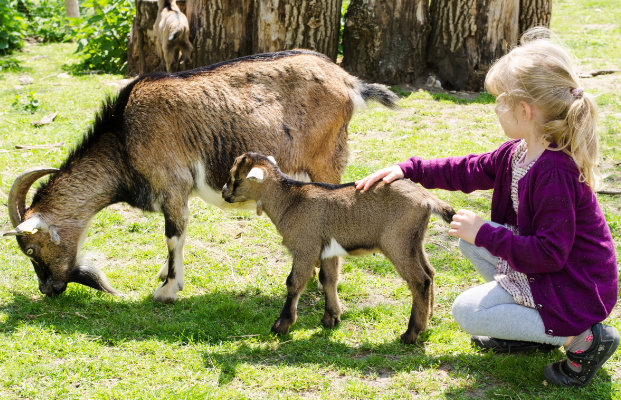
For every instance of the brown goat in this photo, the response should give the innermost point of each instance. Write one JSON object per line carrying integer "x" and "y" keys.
{"x": 321, "y": 222}
{"x": 172, "y": 33}
{"x": 168, "y": 136}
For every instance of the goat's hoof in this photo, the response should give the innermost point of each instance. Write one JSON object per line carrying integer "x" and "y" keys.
{"x": 330, "y": 321}
{"x": 409, "y": 338}
{"x": 165, "y": 294}
{"x": 280, "y": 327}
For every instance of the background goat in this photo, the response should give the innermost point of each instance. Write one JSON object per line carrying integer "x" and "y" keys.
{"x": 172, "y": 33}
{"x": 319, "y": 222}
{"x": 167, "y": 136}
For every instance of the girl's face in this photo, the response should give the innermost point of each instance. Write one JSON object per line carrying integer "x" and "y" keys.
{"x": 510, "y": 121}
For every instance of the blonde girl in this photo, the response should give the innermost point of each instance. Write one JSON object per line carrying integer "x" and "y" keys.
{"x": 547, "y": 254}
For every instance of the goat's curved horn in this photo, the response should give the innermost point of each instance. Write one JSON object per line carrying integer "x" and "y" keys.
{"x": 17, "y": 195}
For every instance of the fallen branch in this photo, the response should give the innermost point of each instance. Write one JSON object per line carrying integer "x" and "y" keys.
{"x": 39, "y": 146}
{"x": 598, "y": 72}
{"x": 610, "y": 192}
{"x": 45, "y": 120}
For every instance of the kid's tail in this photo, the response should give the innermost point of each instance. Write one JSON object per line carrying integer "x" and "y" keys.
{"x": 441, "y": 209}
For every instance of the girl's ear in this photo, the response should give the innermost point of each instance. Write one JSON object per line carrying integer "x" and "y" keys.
{"x": 526, "y": 111}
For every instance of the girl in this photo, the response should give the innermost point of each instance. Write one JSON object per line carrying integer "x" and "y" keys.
{"x": 548, "y": 255}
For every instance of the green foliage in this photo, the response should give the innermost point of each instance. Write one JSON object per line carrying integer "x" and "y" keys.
{"x": 103, "y": 36}
{"x": 9, "y": 64}
{"x": 29, "y": 103}
{"x": 47, "y": 21}
{"x": 12, "y": 27}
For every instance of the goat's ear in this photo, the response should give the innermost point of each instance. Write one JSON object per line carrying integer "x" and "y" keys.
{"x": 29, "y": 227}
{"x": 272, "y": 159}
{"x": 257, "y": 174}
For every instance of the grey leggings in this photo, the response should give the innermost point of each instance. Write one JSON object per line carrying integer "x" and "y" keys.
{"x": 489, "y": 310}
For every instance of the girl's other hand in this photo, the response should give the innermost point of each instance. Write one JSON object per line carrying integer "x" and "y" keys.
{"x": 387, "y": 174}
{"x": 466, "y": 225}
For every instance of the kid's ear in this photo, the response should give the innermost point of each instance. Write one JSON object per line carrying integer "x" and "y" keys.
{"x": 256, "y": 174}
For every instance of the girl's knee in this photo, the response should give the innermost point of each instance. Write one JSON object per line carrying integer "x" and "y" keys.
{"x": 463, "y": 312}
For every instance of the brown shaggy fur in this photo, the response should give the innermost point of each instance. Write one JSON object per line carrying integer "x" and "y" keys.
{"x": 172, "y": 32}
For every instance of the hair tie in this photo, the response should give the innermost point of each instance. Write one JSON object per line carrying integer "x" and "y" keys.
{"x": 577, "y": 92}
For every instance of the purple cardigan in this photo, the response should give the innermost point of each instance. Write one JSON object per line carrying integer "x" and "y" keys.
{"x": 565, "y": 247}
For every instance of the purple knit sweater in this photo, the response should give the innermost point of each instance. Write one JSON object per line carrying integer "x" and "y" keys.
{"x": 564, "y": 247}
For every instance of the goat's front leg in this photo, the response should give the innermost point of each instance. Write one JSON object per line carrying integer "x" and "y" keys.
{"x": 176, "y": 223}
{"x": 329, "y": 277}
{"x": 302, "y": 271}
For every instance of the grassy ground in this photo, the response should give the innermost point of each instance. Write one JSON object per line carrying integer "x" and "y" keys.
{"x": 215, "y": 341}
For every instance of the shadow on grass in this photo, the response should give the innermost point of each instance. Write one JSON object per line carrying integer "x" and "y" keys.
{"x": 246, "y": 318}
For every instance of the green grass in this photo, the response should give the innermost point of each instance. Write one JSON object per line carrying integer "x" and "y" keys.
{"x": 214, "y": 342}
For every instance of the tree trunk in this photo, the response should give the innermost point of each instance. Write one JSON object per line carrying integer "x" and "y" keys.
{"x": 219, "y": 29}
{"x": 534, "y": 13}
{"x": 467, "y": 36}
{"x": 385, "y": 41}
{"x": 310, "y": 24}
{"x": 72, "y": 8}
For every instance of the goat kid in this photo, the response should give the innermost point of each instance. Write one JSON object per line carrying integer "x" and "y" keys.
{"x": 320, "y": 222}
{"x": 168, "y": 136}
{"x": 172, "y": 33}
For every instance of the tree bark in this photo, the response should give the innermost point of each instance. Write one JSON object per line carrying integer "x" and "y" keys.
{"x": 72, "y": 8}
{"x": 467, "y": 36}
{"x": 385, "y": 41}
{"x": 534, "y": 13}
{"x": 219, "y": 29}
{"x": 311, "y": 24}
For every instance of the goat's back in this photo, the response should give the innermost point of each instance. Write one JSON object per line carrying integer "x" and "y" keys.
{"x": 292, "y": 105}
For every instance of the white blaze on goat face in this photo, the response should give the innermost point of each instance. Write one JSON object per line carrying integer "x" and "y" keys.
{"x": 334, "y": 249}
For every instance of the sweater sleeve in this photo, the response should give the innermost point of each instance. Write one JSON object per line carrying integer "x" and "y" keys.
{"x": 552, "y": 202}
{"x": 465, "y": 173}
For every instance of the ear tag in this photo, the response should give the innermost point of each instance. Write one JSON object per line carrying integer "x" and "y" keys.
{"x": 259, "y": 207}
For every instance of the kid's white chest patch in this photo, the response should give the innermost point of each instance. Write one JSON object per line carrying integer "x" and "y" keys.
{"x": 334, "y": 249}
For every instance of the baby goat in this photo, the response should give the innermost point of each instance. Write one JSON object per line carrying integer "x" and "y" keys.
{"x": 172, "y": 33}
{"x": 319, "y": 222}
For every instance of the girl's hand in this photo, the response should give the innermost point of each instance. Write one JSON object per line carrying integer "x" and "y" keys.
{"x": 388, "y": 174}
{"x": 466, "y": 225}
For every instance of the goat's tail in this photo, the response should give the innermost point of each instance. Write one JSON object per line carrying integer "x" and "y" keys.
{"x": 441, "y": 209}
{"x": 379, "y": 93}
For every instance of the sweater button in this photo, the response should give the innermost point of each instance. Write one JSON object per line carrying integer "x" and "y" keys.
{"x": 550, "y": 332}
{"x": 539, "y": 306}
{"x": 531, "y": 280}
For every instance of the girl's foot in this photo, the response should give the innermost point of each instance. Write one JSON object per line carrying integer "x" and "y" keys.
{"x": 509, "y": 346}
{"x": 605, "y": 342}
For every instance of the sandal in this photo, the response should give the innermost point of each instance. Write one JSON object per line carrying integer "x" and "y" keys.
{"x": 509, "y": 346}
{"x": 605, "y": 342}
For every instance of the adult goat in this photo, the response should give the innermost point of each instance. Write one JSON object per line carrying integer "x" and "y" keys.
{"x": 168, "y": 136}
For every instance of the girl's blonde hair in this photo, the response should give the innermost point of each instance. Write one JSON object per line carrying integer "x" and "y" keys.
{"x": 541, "y": 73}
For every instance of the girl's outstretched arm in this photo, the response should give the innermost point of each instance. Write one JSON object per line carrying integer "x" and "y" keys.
{"x": 388, "y": 174}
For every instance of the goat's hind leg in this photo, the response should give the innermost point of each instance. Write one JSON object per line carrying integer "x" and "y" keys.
{"x": 418, "y": 274}
{"x": 329, "y": 276}
{"x": 175, "y": 230}
{"x": 302, "y": 271}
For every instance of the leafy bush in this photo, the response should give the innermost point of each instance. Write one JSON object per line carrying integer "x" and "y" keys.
{"x": 103, "y": 36}
{"x": 48, "y": 21}
{"x": 30, "y": 103}
{"x": 12, "y": 27}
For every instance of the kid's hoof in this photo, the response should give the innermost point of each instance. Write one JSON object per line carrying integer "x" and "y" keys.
{"x": 329, "y": 321}
{"x": 409, "y": 338}
{"x": 280, "y": 327}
